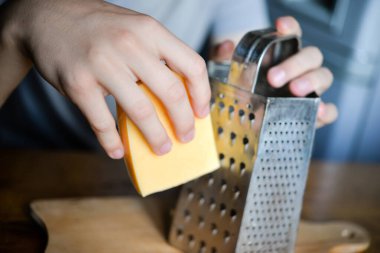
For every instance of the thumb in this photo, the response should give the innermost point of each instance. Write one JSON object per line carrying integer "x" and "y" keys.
{"x": 288, "y": 25}
{"x": 223, "y": 51}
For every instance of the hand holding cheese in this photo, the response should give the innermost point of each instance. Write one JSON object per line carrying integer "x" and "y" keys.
{"x": 152, "y": 173}
{"x": 90, "y": 49}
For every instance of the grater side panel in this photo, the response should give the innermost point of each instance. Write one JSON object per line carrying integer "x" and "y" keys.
{"x": 210, "y": 208}
{"x": 277, "y": 184}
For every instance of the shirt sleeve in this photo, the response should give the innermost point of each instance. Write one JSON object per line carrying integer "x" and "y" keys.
{"x": 239, "y": 16}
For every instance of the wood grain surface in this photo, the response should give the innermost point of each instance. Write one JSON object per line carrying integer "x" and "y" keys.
{"x": 349, "y": 192}
{"x": 102, "y": 225}
{"x": 135, "y": 225}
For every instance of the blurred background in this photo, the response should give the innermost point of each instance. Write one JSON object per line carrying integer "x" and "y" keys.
{"x": 347, "y": 33}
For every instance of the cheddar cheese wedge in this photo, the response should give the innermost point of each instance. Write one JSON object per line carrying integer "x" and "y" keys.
{"x": 151, "y": 173}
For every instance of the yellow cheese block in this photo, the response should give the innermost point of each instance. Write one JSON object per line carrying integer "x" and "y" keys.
{"x": 151, "y": 173}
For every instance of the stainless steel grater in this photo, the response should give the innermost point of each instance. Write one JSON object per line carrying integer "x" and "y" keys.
{"x": 264, "y": 137}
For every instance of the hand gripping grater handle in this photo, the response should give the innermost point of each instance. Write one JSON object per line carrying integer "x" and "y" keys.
{"x": 264, "y": 137}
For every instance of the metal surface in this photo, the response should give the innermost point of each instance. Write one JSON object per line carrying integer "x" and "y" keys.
{"x": 264, "y": 138}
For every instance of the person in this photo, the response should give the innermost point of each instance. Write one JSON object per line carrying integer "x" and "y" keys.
{"x": 90, "y": 49}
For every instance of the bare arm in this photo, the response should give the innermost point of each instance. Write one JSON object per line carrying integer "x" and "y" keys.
{"x": 13, "y": 64}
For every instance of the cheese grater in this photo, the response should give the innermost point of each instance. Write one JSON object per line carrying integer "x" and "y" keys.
{"x": 264, "y": 137}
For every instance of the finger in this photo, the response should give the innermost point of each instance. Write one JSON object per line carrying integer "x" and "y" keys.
{"x": 307, "y": 59}
{"x": 92, "y": 104}
{"x": 171, "y": 92}
{"x": 135, "y": 104}
{"x": 185, "y": 61}
{"x": 327, "y": 113}
{"x": 223, "y": 51}
{"x": 318, "y": 80}
{"x": 288, "y": 25}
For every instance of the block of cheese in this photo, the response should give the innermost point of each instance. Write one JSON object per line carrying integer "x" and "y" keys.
{"x": 151, "y": 173}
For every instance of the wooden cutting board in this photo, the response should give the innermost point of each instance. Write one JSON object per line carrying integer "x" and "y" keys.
{"x": 135, "y": 225}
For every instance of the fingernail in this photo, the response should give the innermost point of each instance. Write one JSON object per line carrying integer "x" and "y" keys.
{"x": 188, "y": 137}
{"x": 204, "y": 112}
{"x": 286, "y": 22}
{"x": 277, "y": 76}
{"x": 303, "y": 87}
{"x": 165, "y": 148}
{"x": 117, "y": 154}
{"x": 321, "y": 110}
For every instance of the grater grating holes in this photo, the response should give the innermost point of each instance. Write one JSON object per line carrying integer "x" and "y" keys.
{"x": 280, "y": 150}
{"x": 233, "y": 137}
{"x": 222, "y": 192}
{"x": 201, "y": 199}
{"x": 190, "y": 240}
{"x": 236, "y": 192}
{"x": 186, "y": 215}
{"x": 223, "y": 185}
{"x": 202, "y": 247}
{"x": 190, "y": 194}
{"x": 222, "y": 209}
{"x": 233, "y": 214}
{"x": 245, "y": 142}
{"x": 221, "y": 106}
{"x": 242, "y": 168}
{"x": 201, "y": 222}
{"x": 226, "y": 236}
{"x": 232, "y": 164}
{"x": 179, "y": 233}
{"x": 214, "y": 229}
{"x": 212, "y": 204}
{"x": 231, "y": 110}
{"x": 210, "y": 180}
{"x": 220, "y": 131}
{"x": 221, "y": 156}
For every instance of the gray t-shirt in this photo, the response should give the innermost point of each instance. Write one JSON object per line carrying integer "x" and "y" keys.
{"x": 37, "y": 116}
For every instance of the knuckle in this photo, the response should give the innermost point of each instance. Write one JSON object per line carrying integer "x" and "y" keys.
{"x": 198, "y": 67}
{"x": 141, "y": 110}
{"x": 126, "y": 39}
{"x": 186, "y": 123}
{"x": 159, "y": 136}
{"x": 102, "y": 126}
{"x": 148, "y": 23}
{"x": 156, "y": 136}
{"x": 77, "y": 83}
{"x": 95, "y": 54}
{"x": 175, "y": 92}
{"x": 316, "y": 54}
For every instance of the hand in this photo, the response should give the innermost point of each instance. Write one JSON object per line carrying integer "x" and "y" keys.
{"x": 303, "y": 70}
{"x": 89, "y": 49}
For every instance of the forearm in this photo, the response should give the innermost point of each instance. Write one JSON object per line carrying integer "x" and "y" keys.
{"x": 13, "y": 63}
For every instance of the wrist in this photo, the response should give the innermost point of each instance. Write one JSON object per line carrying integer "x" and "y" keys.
{"x": 11, "y": 28}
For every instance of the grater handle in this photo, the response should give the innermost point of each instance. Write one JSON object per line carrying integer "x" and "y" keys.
{"x": 255, "y": 54}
